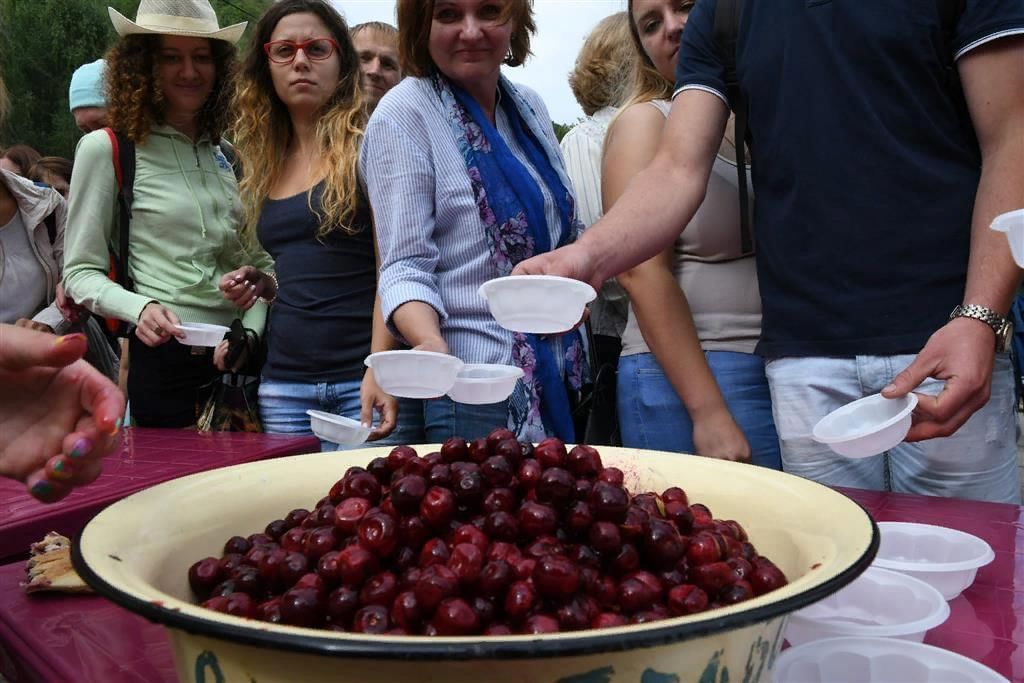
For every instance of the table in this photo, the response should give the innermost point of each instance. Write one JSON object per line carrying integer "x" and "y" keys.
{"x": 86, "y": 638}
{"x": 146, "y": 457}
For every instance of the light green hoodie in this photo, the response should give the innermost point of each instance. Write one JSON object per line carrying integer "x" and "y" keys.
{"x": 183, "y": 234}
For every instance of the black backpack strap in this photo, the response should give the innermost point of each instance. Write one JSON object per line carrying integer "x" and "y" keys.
{"x": 124, "y": 155}
{"x": 726, "y": 33}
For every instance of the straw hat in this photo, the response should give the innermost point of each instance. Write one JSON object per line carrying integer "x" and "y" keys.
{"x": 194, "y": 18}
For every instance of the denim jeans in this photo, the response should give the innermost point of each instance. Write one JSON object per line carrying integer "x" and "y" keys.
{"x": 651, "y": 414}
{"x": 979, "y": 461}
{"x": 283, "y": 407}
{"x": 442, "y": 418}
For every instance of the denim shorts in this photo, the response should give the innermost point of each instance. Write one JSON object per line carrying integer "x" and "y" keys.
{"x": 283, "y": 407}
{"x": 651, "y": 414}
{"x": 978, "y": 462}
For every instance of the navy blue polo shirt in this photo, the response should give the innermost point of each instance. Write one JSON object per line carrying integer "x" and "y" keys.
{"x": 322, "y": 320}
{"x": 865, "y": 163}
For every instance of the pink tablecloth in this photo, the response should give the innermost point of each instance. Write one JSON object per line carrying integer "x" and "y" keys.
{"x": 147, "y": 457}
{"x": 86, "y": 638}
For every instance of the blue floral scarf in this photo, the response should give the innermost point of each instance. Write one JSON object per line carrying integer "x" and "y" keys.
{"x": 511, "y": 208}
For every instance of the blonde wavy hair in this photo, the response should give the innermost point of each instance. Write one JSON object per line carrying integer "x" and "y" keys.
{"x": 263, "y": 129}
{"x": 601, "y": 75}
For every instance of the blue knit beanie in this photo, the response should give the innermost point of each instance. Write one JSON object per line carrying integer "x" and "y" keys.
{"x": 87, "y": 86}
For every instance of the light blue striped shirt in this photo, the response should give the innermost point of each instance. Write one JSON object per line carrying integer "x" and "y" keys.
{"x": 432, "y": 242}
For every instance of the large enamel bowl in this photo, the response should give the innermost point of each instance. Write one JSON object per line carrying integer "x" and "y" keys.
{"x": 137, "y": 553}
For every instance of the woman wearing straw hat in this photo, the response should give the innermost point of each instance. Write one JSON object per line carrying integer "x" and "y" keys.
{"x": 168, "y": 83}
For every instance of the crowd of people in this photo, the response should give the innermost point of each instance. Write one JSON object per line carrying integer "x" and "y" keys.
{"x": 343, "y": 190}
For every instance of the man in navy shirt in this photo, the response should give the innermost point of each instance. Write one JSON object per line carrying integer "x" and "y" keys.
{"x": 877, "y": 174}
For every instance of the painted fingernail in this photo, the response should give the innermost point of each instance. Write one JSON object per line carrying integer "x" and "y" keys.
{"x": 81, "y": 448}
{"x": 42, "y": 490}
{"x": 58, "y": 468}
{"x": 68, "y": 337}
{"x": 117, "y": 427}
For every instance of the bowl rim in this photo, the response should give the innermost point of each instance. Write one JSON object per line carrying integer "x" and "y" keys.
{"x": 983, "y": 559}
{"x": 412, "y": 353}
{"x": 202, "y": 327}
{"x": 508, "y": 372}
{"x": 578, "y": 285}
{"x": 1005, "y": 222}
{"x": 338, "y": 420}
{"x": 910, "y": 398}
{"x": 420, "y": 648}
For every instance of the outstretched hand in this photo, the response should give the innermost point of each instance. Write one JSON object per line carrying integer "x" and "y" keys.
{"x": 58, "y": 415}
{"x": 961, "y": 353}
{"x": 373, "y": 398}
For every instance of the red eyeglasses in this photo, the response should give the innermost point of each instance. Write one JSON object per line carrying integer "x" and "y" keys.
{"x": 284, "y": 51}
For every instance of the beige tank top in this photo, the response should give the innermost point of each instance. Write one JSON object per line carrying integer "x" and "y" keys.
{"x": 719, "y": 280}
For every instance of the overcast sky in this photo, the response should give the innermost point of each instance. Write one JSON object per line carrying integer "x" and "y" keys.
{"x": 561, "y": 27}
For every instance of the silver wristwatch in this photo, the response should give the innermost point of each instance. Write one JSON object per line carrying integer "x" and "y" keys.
{"x": 1000, "y": 325}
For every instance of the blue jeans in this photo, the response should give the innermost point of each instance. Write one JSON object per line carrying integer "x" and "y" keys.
{"x": 283, "y": 407}
{"x": 979, "y": 461}
{"x": 651, "y": 414}
{"x": 439, "y": 419}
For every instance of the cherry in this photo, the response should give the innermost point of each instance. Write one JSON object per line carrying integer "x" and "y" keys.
{"x": 704, "y": 548}
{"x": 466, "y": 561}
{"x": 497, "y": 630}
{"x": 611, "y": 475}
{"x": 550, "y": 452}
{"x": 436, "y": 583}
{"x": 499, "y": 435}
{"x": 479, "y": 450}
{"x": 356, "y": 564}
{"x": 738, "y": 592}
{"x": 438, "y": 506}
{"x": 455, "y": 617}
{"x": 276, "y": 529}
{"x": 469, "y": 489}
{"x": 399, "y": 456}
{"x": 237, "y": 544}
{"x": 371, "y": 619}
{"x": 605, "y": 538}
{"x": 581, "y": 489}
{"x": 292, "y": 568}
{"x": 712, "y": 577}
{"x": 583, "y": 461}
{"x": 536, "y": 519}
{"x": 302, "y": 607}
{"x": 406, "y": 611}
{"x": 269, "y": 611}
{"x": 578, "y": 518}
{"x": 407, "y": 492}
{"x": 511, "y": 450}
{"x": 454, "y": 450}
{"x": 556, "y": 576}
{"x": 627, "y": 560}
{"x": 294, "y": 540}
{"x": 319, "y": 541}
{"x": 540, "y": 623}
{"x": 378, "y": 467}
{"x": 379, "y": 589}
{"x": 766, "y": 577}
{"x": 348, "y": 513}
{"x": 497, "y": 470}
{"x": 609, "y": 502}
{"x": 435, "y": 551}
{"x": 502, "y": 526}
{"x": 342, "y": 604}
{"x": 204, "y": 575}
{"x": 519, "y": 600}
{"x": 258, "y": 540}
{"x": 674, "y": 494}
{"x": 608, "y": 620}
{"x": 663, "y": 546}
{"x": 296, "y": 517}
{"x": 529, "y": 474}
{"x": 635, "y": 594}
{"x": 247, "y": 579}
{"x": 686, "y": 599}
{"x": 494, "y": 579}
{"x": 680, "y": 515}
{"x": 556, "y": 486}
{"x": 440, "y": 475}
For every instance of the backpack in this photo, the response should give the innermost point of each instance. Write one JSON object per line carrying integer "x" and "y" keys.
{"x": 123, "y": 158}
{"x": 726, "y": 38}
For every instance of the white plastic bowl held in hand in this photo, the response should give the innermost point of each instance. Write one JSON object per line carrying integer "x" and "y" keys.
{"x": 946, "y": 559}
{"x": 866, "y": 427}
{"x": 1012, "y": 224}
{"x": 537, "y": 304}
{"x": 479, "y": 384}
{"x": 414, "y": 374}
{"x": 338, "y": 429}
{"x": 877, "y": 660}
{"x": 202, "y": 334}
{"x": 879, "y": 603}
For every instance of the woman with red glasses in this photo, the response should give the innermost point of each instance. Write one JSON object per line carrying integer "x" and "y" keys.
{"x": 299, "y": 128}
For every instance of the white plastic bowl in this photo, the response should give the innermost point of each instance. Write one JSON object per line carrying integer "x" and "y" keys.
{"x": 479, "y": 383}
{"x": 414, "y": 374}
{"x": 338, "y": 429}
{"x": 878, "y": 603}
{"x": 1012, "y": 223}
{"x": 866, "y": 427}
{"x": 202, "y": 334}
{"x": 537, "y": 304}
{"x": 946, "y": 559}
{"x": 877, "y": 660}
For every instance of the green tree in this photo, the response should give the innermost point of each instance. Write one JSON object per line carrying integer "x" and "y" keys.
{"x": 562, "y": 128}
{"x": 43, "y": 41}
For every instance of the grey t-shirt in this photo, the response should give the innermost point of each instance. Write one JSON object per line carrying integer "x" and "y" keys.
{"x": 22, "y": 278}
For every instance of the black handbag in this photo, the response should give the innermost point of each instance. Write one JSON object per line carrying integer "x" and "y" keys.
{"x": 233, "y": 403}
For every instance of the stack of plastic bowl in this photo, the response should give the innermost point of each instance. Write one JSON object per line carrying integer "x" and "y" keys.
{"x": 537, "y": 304}
{"x": 479, "y": 384}
{"x": 414, "y": 374}
{"x": 946, "y": 559}
{"x": 877, "y": 660}
{"x": 866, "y": 427}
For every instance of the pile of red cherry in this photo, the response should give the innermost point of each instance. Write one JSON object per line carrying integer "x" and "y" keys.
{"x": 491, "y": 537}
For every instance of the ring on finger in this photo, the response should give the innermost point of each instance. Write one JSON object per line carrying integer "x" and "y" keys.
{"x": 159, "y": 330}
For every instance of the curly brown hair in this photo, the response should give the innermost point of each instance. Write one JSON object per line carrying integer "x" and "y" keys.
{"x": 601, "y": 76}
{"x": 416, "y": 16}
{"x": 5, "y": 102}
{"x": 135, "y": 99}
{"x": 263, "y": 129}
